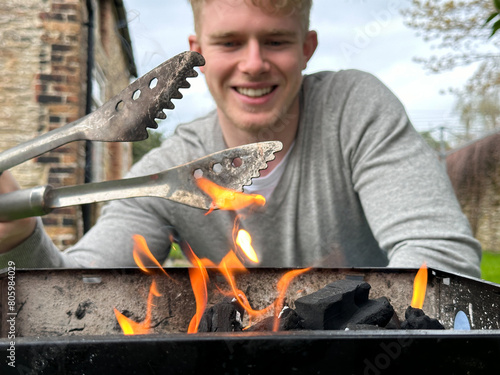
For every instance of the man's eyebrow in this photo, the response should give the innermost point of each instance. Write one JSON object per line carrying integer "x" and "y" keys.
{"x": 223, "y": 35}
{"x": 281, "y": 32}
{"x": 272, "y": 32}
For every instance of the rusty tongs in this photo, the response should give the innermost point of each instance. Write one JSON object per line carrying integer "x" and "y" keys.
{"x": 124, "y": 118}
{"x": 177, "y": 184}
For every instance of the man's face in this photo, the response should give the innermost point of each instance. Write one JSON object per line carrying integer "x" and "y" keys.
{"x": 254, "y": 62}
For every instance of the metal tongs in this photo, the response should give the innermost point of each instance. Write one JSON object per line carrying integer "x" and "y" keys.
{"x": 124, "y": 118}
{"x": 177, "y": 184}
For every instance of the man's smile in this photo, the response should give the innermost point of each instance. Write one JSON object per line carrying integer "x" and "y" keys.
{"x": 254, "y": 93}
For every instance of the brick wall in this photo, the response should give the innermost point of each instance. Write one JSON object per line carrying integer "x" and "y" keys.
{"x": 43, "y": 60}
{"x": 21, "y": 46}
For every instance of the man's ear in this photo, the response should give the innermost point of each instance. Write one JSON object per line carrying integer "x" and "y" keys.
{"x": 195, "y": 46}
{"x": 310, "y": 45}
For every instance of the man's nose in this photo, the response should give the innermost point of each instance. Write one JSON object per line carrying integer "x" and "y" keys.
{"x": 254, "y": 60}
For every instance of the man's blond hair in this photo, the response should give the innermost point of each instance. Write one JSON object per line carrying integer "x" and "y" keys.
{"x": 301, "y": 7}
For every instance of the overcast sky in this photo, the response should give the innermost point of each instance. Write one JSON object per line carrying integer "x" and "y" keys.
{"x": 363, "y": 34}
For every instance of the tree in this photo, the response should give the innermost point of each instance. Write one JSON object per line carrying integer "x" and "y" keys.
{"x": 436, "y": 145}
{"x": 478, "y": 101}
{"x": 139, "y": 149}
{"x": 493, "y": 16}
{"x": 458, "y": 30}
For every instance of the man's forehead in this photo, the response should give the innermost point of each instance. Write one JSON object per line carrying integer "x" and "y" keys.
{"x": 216, "y": 13}
{"x": 222, "y": 7}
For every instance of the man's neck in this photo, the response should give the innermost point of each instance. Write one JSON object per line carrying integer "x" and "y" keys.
{"x": 286, "y": 133}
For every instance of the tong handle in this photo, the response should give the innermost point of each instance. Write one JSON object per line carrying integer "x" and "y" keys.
{"x": 24, "y": 203}
{"x": 40, "y": 145}
{"x": 41, "y": 200}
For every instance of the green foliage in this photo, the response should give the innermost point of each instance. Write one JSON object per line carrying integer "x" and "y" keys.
{"x": 176, "y": 257}
{"x": 435, "y": 144}
{"x": 139, "y": 149}
{"x": 458, "y": 33}
{"x": 456, "y": 30}
{"x": 176, "y": 252}
{"x": 496, "y": 24}
{"x": 490, "y": 267}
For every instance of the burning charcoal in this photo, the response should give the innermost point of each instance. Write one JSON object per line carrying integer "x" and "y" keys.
{"x": 288, "y": 321}
{"x": 265, "y": 324}
{"x": 332, "y": 306}
{"x": 416, "y": 319}
{"x": 225, "y": 316}
{"x": 377, "y": 312}
{"x": 394, "y": 323}
{"x": 361, "y": 293}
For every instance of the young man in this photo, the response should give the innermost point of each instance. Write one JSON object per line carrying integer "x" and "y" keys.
{"x": 354, "y": 186}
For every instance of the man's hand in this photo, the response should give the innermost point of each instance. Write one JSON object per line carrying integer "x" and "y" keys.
{"x": 14, "y": 232}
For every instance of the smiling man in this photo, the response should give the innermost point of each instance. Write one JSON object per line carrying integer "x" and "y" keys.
{"x": 355, "y": 185}
{"x": 255, "y": 58}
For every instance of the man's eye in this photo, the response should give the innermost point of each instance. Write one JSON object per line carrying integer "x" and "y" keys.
{"x": 228, "y": 44}
{"x": 276, "y": 43}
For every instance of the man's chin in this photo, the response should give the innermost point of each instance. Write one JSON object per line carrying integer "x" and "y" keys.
{"x": 258, "y": 126}
{"x": 262, "y": 130}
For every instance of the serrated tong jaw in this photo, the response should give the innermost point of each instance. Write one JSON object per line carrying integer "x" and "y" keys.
{"x": 124, "y": 118}
{"x": 138, "y": 107}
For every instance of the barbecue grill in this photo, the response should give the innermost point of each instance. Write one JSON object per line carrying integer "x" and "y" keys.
{"x": 65, "y": 324}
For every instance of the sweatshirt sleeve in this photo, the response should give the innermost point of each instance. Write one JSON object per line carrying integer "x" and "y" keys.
{"x": 37, "y": 251}
{"x": 405, "y": 192}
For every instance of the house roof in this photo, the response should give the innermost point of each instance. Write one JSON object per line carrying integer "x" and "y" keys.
{"x": 492, "y": 133}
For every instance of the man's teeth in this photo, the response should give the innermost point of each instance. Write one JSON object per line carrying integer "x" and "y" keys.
{"x": 254, "y": 92}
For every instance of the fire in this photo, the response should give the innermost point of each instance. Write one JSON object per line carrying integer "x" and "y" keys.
{"x": 227, "y": 199}
{"x": 229, "y": 266}
{"x": 129, "y": 327}
{"x": 282, "y": 288}
{"x": 244, "y": 241}
{"x": 199, "y": 278}
{"x": 141, "y": 249}
{"x": 419, "y": 287}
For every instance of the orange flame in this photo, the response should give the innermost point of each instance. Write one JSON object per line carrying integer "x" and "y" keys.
{"x": 141, "y": 249}
{"x": 199, "y": 278}
{"x": 283, "y": 285}
{"x": 419, "y": 288}
{"x": 128, "y": 326}
{"x": 230, "y": 264}
{"x": 244, "y": 241}
{"x": 227, "y": 199}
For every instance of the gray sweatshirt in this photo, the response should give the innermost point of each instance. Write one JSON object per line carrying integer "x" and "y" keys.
{"x": 360, "y": 189}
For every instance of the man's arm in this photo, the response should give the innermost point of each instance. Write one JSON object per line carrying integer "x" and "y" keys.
{"x": 108, "y": 244}
{"x": 24, "y": 241}
{"x": 405, "y": 192}
{"x": 15, "y": 232}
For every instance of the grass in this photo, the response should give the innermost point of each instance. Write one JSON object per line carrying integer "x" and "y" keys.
{"x": 176, "y": 257}
{"x": 490, "y": 267}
